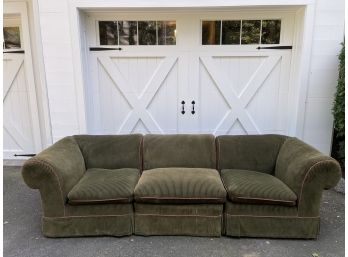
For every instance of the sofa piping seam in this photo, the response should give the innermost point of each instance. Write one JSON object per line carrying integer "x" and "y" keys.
{"x": 176, "y": 215}
{"x": 88, "y": 216}
{"x": 198, "y": 198}
{"x": 49, "y": 167}
{"x": 255, "y": 216}
{"x": 268, "y": 199}
{"x": 305, "y": 177}
{"x": 97, "y": 200}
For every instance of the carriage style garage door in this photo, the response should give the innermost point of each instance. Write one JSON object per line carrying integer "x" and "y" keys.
{"x": 21, "y": 121}
{"x": 211, "y": 72}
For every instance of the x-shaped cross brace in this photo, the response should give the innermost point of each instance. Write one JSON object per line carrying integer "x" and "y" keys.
{"x": 238, "y": 103}
{"x": 139, "y": 104}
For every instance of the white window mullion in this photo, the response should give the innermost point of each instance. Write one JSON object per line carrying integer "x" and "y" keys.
{"x": 260, "y": 32}
{"x": 118, "y": 34}
{"x": 137, "y": 33}
{"x": 240, "y": 32}
{"x": 156, "y": 33}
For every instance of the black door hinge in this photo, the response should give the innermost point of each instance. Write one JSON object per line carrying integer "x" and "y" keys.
{"x": 14, "y": 52}
{"x": 105, "y": 49}
{"x": 26, "y": 155}
{"x": 274, "y": 47}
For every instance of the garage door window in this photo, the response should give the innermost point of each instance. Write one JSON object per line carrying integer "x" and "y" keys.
{"x": 240, "y": 32}
{"x": 12, "y": 39}
{"x": 137, "y": 32}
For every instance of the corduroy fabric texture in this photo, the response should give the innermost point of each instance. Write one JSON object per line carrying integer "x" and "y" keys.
{"x": 54, "y": 172}
{"x": 252, "y": 152}
{"x": 99, "y": 225}
{"x": 190, "y": 151}
{"x": 188, "y": 219}
{"x": 245, "y": 186}
{"x": 99, "y": 186}
{"x": 180, "y": 185}
{"x": 307, "y": 172}
{"x": 111, "y": 151}
{"x": 272, "y": 226}
{"x": 243, "y": 209}
{"x": 99, "y": 209}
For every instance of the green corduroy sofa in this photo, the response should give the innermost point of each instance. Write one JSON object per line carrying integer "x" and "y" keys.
{"x": 199, "y": 185}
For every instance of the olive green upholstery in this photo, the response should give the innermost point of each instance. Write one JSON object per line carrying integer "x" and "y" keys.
{"x": 179, "y": 192}
{"x": 189, "y": 151}
{"x": 295, "y": 172}
{"x": 307, "y": 172}
{"x": 254, "y": 152}
{"x": 104, "y": 186}
{"x": 59, "y": 172}
{"x": 245, "y": 186}
{"x": 111, "y": 151}
{"x": 178, "y": 219}
{"x": 180, "y": 185}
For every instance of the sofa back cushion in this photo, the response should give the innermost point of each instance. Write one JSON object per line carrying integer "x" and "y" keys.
{"x": 189, "y": 151}
{"x": 250, "y": 152}
{"x": 111, "y": 151}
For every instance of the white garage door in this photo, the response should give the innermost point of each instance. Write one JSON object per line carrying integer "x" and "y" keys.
{"x": 21, "y": 123}
{"x": 212, "y": 72}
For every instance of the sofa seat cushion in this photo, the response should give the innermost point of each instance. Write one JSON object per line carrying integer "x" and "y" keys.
{"x": 180, "y": 185}
{"x": 100, "y": 186}
{"x": 253, "y": 187}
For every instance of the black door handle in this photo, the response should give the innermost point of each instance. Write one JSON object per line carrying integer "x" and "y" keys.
{"x": 183, "y": 107}
{"x": 193, "y": 107}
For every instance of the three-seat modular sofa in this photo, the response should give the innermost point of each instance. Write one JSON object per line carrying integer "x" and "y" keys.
{"x": 118, "y": 185}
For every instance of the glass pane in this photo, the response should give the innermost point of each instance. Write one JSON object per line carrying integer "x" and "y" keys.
{"x": 230, "y": 32}
{"x": 166, "y": 32}
{"x": 251, "y": 32}
{"x": 270, "y": 32}
{"x": 128, "y": 32}
{"x": 211, "y": 32}
{"x": 108, "y": 33}
{"x": 12, "y": 39}
{"x": 147, "y": 32}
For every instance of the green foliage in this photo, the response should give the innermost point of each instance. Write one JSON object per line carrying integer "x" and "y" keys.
{"x": 338, "y": 111}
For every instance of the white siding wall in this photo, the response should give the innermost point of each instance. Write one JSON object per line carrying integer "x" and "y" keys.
{"x": 327, "y": 39}
{"x": 57, "y": 53}
{"x": 328, "y": 34}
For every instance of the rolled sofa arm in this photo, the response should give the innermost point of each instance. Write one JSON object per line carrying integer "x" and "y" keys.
{"x": 54, "y": 172}
{"x": 307, "y": 172}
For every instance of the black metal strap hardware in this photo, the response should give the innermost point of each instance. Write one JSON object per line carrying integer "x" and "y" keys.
{"x": 27, "y": 155}
{"x": 183, "y": 107}
{"x": 104, "y": 48}
{"x": 193, "y": 107}
{"x": 14, "y": 52}
{"x": 274, "y": 47}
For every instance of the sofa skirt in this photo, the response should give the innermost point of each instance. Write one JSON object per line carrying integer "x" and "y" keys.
{"x": 91, "y": 220}
{"x": 170, "y": 219}
{"x": 271, "y": 221}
